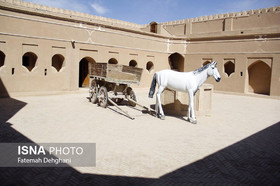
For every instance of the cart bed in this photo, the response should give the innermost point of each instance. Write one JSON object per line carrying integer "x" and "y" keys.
{"x": 115, "y": 73}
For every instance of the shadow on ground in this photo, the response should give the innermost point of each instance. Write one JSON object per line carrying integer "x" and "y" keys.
{"x": 254, "y": 160}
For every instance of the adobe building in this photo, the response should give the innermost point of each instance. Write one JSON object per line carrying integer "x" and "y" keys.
{"x": 46, "y": 49}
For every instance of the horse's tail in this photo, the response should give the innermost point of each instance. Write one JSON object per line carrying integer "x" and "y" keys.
{"x": 153, "y": 86}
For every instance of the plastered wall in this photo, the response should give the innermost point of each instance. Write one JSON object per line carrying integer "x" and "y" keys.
{"x": 242, "y": 38}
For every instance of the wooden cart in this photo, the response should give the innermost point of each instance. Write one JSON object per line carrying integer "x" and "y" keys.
{"x": 114, "y": 79}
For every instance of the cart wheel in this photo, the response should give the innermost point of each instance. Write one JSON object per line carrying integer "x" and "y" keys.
{"x": 132, "y": 96}
{"x": 103, "y": 97}
{"x": 93, "y": 90}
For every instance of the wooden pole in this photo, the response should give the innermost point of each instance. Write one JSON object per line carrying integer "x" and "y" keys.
{"x": 148, "y": 109}
{"x": 111, "y": 101}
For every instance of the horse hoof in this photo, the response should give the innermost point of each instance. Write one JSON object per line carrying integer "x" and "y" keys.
{"x": 162, "y": 117}
{"x": 192, "y": 121}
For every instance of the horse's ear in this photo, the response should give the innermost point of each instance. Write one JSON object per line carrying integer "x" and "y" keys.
{"x": 214, "y": 63}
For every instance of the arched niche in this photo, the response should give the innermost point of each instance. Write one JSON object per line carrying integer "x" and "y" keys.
{"x": 2, "y": 58}
{"x": 57, "y": 61}
{"x": 259, "y": 78}
{"x": 229, "y": 68}
{"x": 153, "y": 27}
{"x": 29, "y": 60}
{"x": 176, "y": 62}
{"x": 150, "y": 66}
{"x": 112, "y": 61}
{"x": 132, "y": 63}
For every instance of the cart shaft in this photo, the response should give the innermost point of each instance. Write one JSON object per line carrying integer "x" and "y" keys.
{"x": 148, "y": 109}
{"x": 112, "y": 102}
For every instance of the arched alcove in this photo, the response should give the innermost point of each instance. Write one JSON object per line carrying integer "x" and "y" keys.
{"x": 84, "y": 71}
{"x": 229, "y": 68}
{"x": 259, "y": 78}
{"x": 150, "y": 66}
{"x": 29, "y": 60}
{"x": 132, "y": 63}
{"x": 57, "y": 61}
{"x": 153, "y": 27}
{"x": 176, "y": 62}
{"x": 113, "y": 61}
{"x": 2, "y": 58}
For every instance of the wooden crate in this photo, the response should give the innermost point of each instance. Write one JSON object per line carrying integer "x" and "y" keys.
{"x": 116, "y": 72}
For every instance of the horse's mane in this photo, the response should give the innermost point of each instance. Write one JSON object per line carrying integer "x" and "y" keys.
{"x": 197, "y": 71}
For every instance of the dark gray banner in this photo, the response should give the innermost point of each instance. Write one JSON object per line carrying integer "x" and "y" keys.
{"x": 47, "y": 155}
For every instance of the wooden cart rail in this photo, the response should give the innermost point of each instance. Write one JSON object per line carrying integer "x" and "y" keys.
{"x": 116, "y": 73}
{"x": 112, "y": 80}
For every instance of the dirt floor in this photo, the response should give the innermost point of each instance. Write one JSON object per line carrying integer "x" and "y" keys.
{"x": 239, "y": 143}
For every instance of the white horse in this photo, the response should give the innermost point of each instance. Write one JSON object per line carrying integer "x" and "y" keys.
{"x": 182, "y": 81}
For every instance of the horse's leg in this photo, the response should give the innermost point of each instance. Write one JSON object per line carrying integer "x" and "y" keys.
{"x": 160, "y": 90}
{"x": 156, "y": 107}
{"x": 191, "y": 115}
{"x": 189, "y": 111}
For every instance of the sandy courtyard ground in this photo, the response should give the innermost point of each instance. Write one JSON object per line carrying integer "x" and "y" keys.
{"x": 239, "y": 130}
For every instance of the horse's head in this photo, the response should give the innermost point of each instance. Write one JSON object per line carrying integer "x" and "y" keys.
{"x": 213, "y": 71}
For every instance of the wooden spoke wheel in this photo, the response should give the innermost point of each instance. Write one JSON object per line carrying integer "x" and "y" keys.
{"x": 103, "y": 97}
{"x": 131, "y": 95}
{"x": 93, "y": 91}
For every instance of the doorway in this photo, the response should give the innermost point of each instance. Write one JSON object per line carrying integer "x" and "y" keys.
{"x": 84, "y": 71}
{"x": 259, "y": 78}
